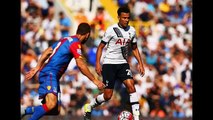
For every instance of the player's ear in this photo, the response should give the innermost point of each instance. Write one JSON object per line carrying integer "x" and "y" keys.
{"x": 118, "y": 17}
{"x": 87, "y": 35}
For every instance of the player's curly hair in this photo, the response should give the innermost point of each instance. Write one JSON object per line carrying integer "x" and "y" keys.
{"x": 124, "y": 9}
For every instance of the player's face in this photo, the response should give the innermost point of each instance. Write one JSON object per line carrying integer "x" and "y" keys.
{"x": 86, "y": 38}
{"x": 124, "y": 19}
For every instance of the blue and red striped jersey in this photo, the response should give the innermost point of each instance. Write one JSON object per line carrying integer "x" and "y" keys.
{"x": 63, "y": 52}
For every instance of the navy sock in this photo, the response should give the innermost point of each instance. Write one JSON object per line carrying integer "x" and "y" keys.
{"x": 39, "y": 111}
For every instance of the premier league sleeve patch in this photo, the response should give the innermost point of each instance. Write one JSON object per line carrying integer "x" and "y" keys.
{"x": 79, "y": 51}
{"x": 75, "y": 49}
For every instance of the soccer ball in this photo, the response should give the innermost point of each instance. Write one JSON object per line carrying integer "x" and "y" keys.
{"x": 125, "y": 115}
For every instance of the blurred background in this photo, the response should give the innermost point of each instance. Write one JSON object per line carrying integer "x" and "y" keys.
{"x": 164, "y": 33}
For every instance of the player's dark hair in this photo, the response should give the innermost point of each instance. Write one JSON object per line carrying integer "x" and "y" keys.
{"x": 83, "y": 29}
{"x": 124, "y": 9}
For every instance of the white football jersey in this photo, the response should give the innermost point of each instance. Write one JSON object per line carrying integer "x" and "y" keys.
{"x": 118, "y": 40}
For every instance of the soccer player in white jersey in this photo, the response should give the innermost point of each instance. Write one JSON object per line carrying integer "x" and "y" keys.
{"x": 118, "y": 38}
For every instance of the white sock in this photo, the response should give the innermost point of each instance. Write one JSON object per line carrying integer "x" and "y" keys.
{"x": 97, "y": 101}
{"x": 135, "y": 105}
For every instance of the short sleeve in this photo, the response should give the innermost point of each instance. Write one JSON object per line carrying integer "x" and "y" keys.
{"x": 134, "y": 40}
{"x": 75, "y": 49}
{"x": 107, "y": 35}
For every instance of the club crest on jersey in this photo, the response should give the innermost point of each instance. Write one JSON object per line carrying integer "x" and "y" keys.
{"x": 122, "y": 41}
{"x": 48, "y": 87}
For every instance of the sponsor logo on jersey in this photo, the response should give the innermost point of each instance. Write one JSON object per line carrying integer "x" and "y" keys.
{"x": 122, "y": 41}
{"x": 69, "y": 39}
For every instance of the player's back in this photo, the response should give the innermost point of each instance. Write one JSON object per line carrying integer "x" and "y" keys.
{"x": 61, "y": 56}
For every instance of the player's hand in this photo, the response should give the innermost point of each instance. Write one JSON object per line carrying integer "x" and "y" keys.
{"x": 141, "y": 70}
{"x": 99, "y": 84}
{"x": 98, "y": 69}
{"x": 31, "y": 73}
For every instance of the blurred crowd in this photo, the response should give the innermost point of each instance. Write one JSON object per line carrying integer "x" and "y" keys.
{"x": 164, "y": 33}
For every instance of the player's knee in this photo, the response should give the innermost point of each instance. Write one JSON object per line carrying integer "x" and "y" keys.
{"x": 130, "y": 85}
{"x": 131, "y": 89}
{"x": 107, "y": 97}
{"x": 108, "y": 94}
{"x": 51, "y": 102}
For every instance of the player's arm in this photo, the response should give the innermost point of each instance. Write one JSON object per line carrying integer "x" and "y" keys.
{"x": 105, "y": 39}
{"x": 98, "y": 57}
{"x": 75, "y": 49}
{"x": 85, "y": 70}
{"x": 137, "y": 55}
{"x": 45, "y": 55}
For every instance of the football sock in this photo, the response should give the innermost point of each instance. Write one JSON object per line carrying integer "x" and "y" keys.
{"x": 39, "y": 111}
{"x": 29, "y": 110}
{"x": 98, "y": 101}
{"x": 135, "y": 105}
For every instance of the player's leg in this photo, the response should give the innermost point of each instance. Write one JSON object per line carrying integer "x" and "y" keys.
{"x": 109, "y": 77}
{"x": 57, "y": 108}
{"x": 42, "y": 93}
{"x": 23, "y": 111}
{"x": 27, "y": 111}
{"x": 39, "y": 111}
{"x": 125, "y": 75}
{"x": 48, "y": 92}
{"x": 129, "y": 83}
{"x": 105, "y": 96}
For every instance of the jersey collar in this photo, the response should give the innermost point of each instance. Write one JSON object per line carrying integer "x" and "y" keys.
{"x": 126, "y": 29}
{"x": 75, "y": 36}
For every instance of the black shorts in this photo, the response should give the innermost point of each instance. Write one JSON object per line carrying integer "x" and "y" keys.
{"x": 113, "y": 72}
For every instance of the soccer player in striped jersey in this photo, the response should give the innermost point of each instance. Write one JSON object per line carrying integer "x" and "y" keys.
{"x": 51, "y": 65}
{"x": 118, "y": 38}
